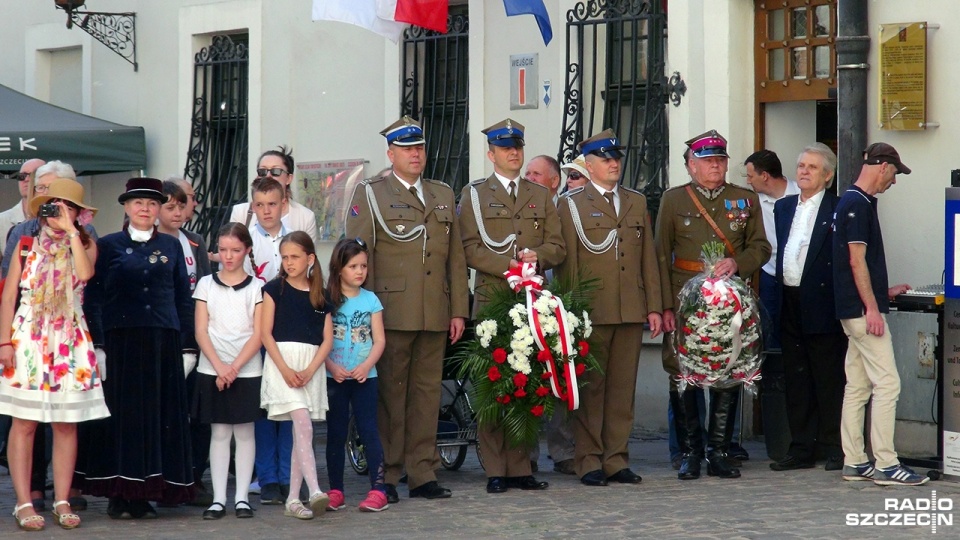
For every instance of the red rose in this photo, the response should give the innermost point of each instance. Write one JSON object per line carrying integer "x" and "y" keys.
{"x": 519, "y": 380}
{"x": 544, "y": 355}
{"x": 705, "y": 339}
{"x": 715, "y": 366}
{"x": 545, "y": 375}
{"x": 493, "y": 374}
{"x": 520, "y": 393}
{"x": 584, "y": 348}
{"x": 716, "y": 348}
{"x": 542, "y": 391}
{"x": 682, "y": 349}
{"x": 499, "y": 355}
{"x": 687, "y": 330}
{"x": 537, "y": 410}
{"x": 506, "y": 399}
{"x": 580, "y": 368}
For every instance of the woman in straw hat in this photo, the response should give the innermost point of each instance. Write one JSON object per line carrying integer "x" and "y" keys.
{"x": 50, "y": 370}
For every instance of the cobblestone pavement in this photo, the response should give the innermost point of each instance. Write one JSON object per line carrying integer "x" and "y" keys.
{"x": 762, "y": 504}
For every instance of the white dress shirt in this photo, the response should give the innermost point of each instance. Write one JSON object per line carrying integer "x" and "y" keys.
{"x": 297, "y": 218}
{"x": 506, "y": 183}
{"x": 616, "y": 194}
{"x": 769, "y": 225}
{"x": 798, "y": 239}
{"x": 408, "y": 185}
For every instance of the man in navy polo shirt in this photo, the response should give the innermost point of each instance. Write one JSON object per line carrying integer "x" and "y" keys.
{"x": 862, "y": 299}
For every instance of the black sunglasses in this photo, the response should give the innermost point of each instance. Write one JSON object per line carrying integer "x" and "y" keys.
{"x": 21, "y": 176}
{"x": 275, "y": 171}
{"x": 574, "y": 176}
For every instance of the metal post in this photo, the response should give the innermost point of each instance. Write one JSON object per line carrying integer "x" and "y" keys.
{"x": 853, "y": 45}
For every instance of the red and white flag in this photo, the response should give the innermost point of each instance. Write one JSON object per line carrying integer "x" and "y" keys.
{"x": 387, "y": 18}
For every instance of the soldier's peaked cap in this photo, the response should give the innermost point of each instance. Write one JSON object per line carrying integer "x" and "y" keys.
{"x": 507, "y": 133}
{"x": 604, "y": 144}
{"x": 404, "y": 132}
{"x": 708, "y": 144}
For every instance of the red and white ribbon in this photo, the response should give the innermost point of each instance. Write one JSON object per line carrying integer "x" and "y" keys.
{"x": 524, "y": 277}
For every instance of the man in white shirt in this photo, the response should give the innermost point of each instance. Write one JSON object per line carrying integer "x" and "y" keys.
{"x": 814, "y": 345}
{"x": 765, "y": 176}
{"x": 18, "y": 213}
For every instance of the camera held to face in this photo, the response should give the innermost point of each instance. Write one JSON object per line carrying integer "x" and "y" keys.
{"x": 49, "y": 210}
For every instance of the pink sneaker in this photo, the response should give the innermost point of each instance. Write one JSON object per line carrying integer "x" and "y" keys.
{"x": 336, "y": 500}
{"x": 375, "y": 502}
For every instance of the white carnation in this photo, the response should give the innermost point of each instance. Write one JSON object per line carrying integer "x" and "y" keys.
{"x": 587, "y": 326}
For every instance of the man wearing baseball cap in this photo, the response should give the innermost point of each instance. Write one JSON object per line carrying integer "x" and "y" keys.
{"x": 863, "y": 300}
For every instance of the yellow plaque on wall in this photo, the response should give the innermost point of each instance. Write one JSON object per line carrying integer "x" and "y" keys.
{"x": 903, "y": 76}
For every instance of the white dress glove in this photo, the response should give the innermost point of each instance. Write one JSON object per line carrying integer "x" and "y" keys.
{"x": 101, "y": 363}
{"x": 189, "y": 362}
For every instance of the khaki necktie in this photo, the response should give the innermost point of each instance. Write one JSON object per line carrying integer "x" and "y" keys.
{"x": 609, "y": 197}
{"x": 512, "y": 187}
{"x": 416, "y": 195}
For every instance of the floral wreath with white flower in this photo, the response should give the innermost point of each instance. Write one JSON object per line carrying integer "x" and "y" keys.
{"x": 718, "y": 337}
{"x": 529, "y": 352}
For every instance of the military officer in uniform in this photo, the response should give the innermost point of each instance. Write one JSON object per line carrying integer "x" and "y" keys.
{"x": 505, "y": 220}
{"x": 609, "y": 236}
{"x": 706, "y": 209}
{"x": 417, "y": 269}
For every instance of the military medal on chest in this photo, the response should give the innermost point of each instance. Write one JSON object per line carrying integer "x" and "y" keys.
{"x": 154, "y": 257}
{"x": 737, "y": 212}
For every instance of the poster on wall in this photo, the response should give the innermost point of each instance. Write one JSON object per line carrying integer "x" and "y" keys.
{"x": 903, "y": 76}
{"x": 326, "y": 188}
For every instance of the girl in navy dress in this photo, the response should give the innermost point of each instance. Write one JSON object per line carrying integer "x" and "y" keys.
{"x": 230, "y": 367}
{"x": 298, "y": 336}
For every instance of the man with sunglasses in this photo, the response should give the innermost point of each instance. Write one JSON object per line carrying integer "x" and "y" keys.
{"x": 418, "y": 270}
{"x": 18, "y": 213}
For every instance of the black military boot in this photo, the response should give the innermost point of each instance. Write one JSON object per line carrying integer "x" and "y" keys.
{"x": 686, "y": 419}
{"x": 723, "y": 407}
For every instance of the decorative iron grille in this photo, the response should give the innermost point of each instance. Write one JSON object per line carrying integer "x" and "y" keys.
{"x": 217, "y": 155}
{"x": 435, "y": 92}
{"x": 615, "y": 79}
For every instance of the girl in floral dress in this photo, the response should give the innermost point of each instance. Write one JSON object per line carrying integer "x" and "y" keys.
{"x": 50, "y": 370}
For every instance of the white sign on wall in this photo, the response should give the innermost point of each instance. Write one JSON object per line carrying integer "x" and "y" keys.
{"x": 524, "y": 77}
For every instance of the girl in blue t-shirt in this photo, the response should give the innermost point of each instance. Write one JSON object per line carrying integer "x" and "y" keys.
{"x": 358, "y": 342}
{"x": 298, "y": 337}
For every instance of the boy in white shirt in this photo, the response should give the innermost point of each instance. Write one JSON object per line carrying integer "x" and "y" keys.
{"x": 268, "y": 199}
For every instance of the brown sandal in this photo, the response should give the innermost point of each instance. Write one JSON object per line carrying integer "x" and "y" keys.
{"x": 34, "y": 523}
{"x": 67, "y": 520}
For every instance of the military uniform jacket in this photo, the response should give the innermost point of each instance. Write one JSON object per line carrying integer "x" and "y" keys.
{"x": 533, "y": 219}
{"x": 682, "y": 231}
{"x": 629, "y": 277}
{"x": 420, "y": 288}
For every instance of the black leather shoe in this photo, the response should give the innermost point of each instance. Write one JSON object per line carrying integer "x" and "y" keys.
{"x": 625, "y": 476}
{"x": 689, "y": 467}
{"x": 216, "y": 511}
{"x": 118, "y": 509}
{"x": 594, "y": 478}
{"x": 142, "y": 510}
{"x": 791, "y": 463}
{"x": 496, "y": 484}
{"x": 430, "y": 490}
{"x": 526, "y": 483}
{"x": 737, "y": 452}
{"x": 717, "y": 465}
{"x": 833, "y": 464}
{"x": 392, "y": 496}
{"x": 243, "y": 510}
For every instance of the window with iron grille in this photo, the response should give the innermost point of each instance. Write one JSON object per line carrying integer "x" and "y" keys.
{"x": 217, "y": 156}
{"x": 435, "y": 91}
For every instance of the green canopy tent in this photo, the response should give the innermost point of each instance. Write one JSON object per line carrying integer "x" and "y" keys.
{"x": 30, "y": 128}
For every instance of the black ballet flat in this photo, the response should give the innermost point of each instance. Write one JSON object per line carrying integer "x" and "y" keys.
{"x": 213, "y": 513}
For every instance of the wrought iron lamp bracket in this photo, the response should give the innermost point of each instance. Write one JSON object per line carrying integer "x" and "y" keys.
{"x": 676, "y": 88}
{"x": 118, "y": 31}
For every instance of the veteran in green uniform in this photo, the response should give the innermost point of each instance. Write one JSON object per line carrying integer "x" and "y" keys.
{"x": 505, "y": 219}
{"x": 609, "y": 236}
{"x": 418, "y": 271}
{"x": 706, "y": 209}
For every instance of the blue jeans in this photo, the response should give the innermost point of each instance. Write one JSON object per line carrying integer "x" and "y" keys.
{"x": 274, "y": 447}
{"x": 362, "y": 398}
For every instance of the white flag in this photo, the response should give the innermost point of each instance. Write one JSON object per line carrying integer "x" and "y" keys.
{"x": 362, "y": 13}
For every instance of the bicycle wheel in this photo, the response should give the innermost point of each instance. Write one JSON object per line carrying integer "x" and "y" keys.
{"x": 451, "y": 445}
{"x": 358, "y": 459}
